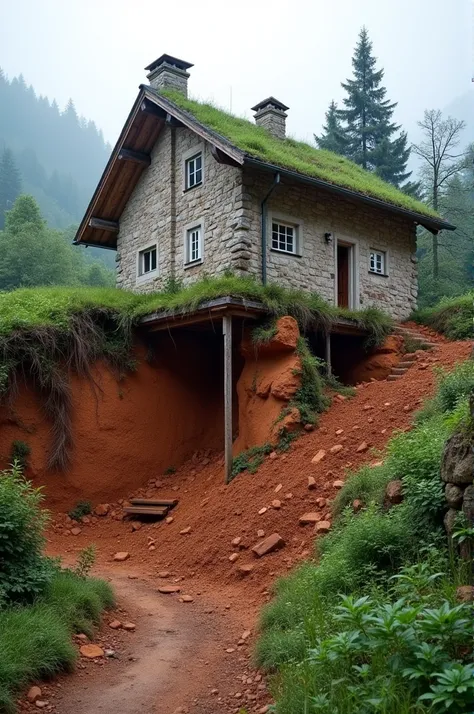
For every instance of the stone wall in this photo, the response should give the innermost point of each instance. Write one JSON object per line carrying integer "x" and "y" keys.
{"x": 229, "y": 205}
{"x": 457, "y": 473}
{"x": 148, "y": 217}
{"x": 318, "y": 212}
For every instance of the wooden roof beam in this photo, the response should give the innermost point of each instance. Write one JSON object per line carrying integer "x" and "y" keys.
{"x": 138, "y": 157}
{"x": 111, "y": 226}
{"x": 222, "y": 158}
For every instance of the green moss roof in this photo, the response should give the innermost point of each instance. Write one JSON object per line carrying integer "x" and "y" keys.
{"x": 296, "y": 155}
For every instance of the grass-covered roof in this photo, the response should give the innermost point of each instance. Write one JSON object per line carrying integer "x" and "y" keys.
{"x": 295, "y": 155}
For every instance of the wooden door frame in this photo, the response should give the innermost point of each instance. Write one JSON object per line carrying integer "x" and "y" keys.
{"x": 353, "y": 288}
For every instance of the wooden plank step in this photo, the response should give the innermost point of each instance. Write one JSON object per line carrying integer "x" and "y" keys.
{"x": 168, "y": 502}
{"x": 146, "y": 511}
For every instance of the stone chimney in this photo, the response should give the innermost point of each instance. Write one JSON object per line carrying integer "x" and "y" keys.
{"x": 169, "y": 73}
{"x": 271, "y": 115}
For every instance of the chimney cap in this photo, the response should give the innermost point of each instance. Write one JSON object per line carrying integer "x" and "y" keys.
{"x": 168, "y": 59}
{"x": 270, "y": 102}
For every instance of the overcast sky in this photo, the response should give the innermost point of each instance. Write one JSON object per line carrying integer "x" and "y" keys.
{"x": 297, "y": 50}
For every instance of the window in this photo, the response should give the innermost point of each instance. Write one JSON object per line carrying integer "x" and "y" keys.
{"x": 147, "y": 262}
{"x": 378, "y": 262}
{"x": 194, "y": 244}
{"x": 193, "y": 171}
{"x": 284, "y": 237}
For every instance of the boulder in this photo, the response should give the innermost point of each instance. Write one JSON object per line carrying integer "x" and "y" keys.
{"x": 465, "y": 593}
{"x": 268, "y": 545}
{"x": 453, "y": 495}
{"x": 449, "y": 520}
{"x": 393, "y": 493}
{"x": 457, "y": 464}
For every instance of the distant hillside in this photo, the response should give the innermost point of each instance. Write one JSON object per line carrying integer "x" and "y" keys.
{"x": 60, "y": 156}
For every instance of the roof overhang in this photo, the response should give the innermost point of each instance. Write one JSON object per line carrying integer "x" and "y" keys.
{"x": 150, "y": 113}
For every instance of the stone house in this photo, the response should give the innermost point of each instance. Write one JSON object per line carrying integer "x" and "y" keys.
{"x": 190, "y": 191}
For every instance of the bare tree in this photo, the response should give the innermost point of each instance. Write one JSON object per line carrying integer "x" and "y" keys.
{"x": 440, "y": 160}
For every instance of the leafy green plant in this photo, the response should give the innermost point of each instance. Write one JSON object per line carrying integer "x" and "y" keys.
{"x": 24, "y": 572}
{"x": 85, "y": 561}
{"x": 454, "y": 689}
{"x": 451, "y": 316}
{"x": 251, "y": 459}
{"x": 20, "y": 452}
{"x": 82, "y": 508}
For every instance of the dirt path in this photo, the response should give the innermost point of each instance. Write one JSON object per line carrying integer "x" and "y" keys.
{"x": 175, "y": 661}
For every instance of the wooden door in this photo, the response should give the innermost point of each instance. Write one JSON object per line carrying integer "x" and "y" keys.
{"x": 343, "y": 275}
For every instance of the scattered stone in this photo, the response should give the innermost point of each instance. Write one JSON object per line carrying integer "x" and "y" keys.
{"x": 288, "y": 496}
{"x": 278, "y": 488}
{"x": 169, "y": 519}
{"x": 262, "y": 511}
{"x": 245, "y": 635}
{"x": 271, "y": 543}
{"x": 109, "y": 653}
{"x": 311, "y": 483}
{"x": 407, "y": 408}
{"x": 336, "y": 448}
{"x": 245, "y": 569}
{"x": 129, "y": 626}
{"x": 260, "y": 533}
{"x": 102, "y": 509}
{"x": 357, "y": 505}
{"x": 273, "y": 455}
{"x": 362, "y": 447}
{"x": 465, "y": 593}
{"x": 310, "y": 518}
{"x": 186, "y": 598}
{"x": 322, "y": 527}
{"x": 121, "y": 556}
{"x": 340, "y": 397}
{"x": 229, "y": 650}
{"x": 338, "y": 484}
{"x": 164, "y": 574}
{"x": 76, "y": 531}
{"x": 318, "y": 457}
{"x": 136, "y": 525}
{"x": 276, "y": 504}
{"x": 40, "y": 703}
{"x": 185, "y": 531}
{"x": 339, "y": 432}
{"x": 237, "y": 541}
{"x": 423, "y": 365}
{"x": 393, "y": 493}
{"x": 366, "y": 407}
{"x": 34, "y": 693}
{"x": 233, "y": 557}
{"x": 309, "y": 427}
{"x": 91, "y": 651}
{"x": 169, "y": 589}
{"x": 82, "y": 637}
{"x": 115, "y": 624}
{"x": 321, "y": 502}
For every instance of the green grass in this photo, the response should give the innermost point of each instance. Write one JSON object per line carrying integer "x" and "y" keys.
{"x": 295, "y": 155}
{"x": 36, "y": 640}
{"x": 452, "y": 317}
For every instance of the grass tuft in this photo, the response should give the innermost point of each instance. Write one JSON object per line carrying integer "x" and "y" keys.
{"x": 452, "y": 317}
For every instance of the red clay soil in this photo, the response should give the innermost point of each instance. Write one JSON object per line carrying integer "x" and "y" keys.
{"x": 195, "y": 547}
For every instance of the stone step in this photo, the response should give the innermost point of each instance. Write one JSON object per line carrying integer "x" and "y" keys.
{"x": 393, "y": 377}
{"x": 409, "y": 357}
{"x": 398, "y": 370}
{"x": 405, "y": 365}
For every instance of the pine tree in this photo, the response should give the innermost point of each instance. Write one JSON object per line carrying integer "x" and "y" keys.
{"x": 10, "y": 183}
{"x": 334, "y": 137}
{"x": 372, "y": 140}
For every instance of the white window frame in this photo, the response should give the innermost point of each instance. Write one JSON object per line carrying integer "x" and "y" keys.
{"x": 287, "y": 222}
{"x": 374, "y": 254}
{"x": 189, "y": 156}
{"x": 189, "y": 230}
{"x": 143, "y": 277}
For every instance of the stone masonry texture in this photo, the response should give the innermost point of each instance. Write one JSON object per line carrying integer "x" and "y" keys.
{"x": 228, "y": 205}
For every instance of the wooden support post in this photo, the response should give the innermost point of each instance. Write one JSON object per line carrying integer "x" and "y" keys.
{"x": 227, "y": 331}
{"x": 328, "y": 354}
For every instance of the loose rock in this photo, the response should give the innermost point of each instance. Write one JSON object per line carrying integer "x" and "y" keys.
{"x": 245, "y": 569}
{"x": 91, "y": 651}
{"x": 336, "y": 448}
{"x": 338, "y": 484}
{"x": 129, "y": 626}
{"x": 233, "y": 557}
{"x": 185, "y": 531}
{"x": 169, "y": 589}
{"x": 186, "y": 598}
{"x": 465, "y": 593}
{"x": 276, "y": 504}
{"x": 271, "y": 543}
{"x": 34, "y": 693}
{"x": 362, "y": 447}
{"x": 311, "y": 483}
{"x": 115, "y": 624}
{"x": 393, "y": 493}
{"x": 75, "y": 531}
{"x": 309, "y": 518}
{"x": 102, "y": 509}
{"x": 318, "y": 457}
{"x": 121, "y": 556}
{"x": 322, "y": 527}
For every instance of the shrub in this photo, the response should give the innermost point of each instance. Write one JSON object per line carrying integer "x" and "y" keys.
{"x": 451, "y": 316}
{"x": 24, "y": 572}
{"x": 36, "y": 640}
{"x": 82, "y": 508}
{"x": 20, "y": 452}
